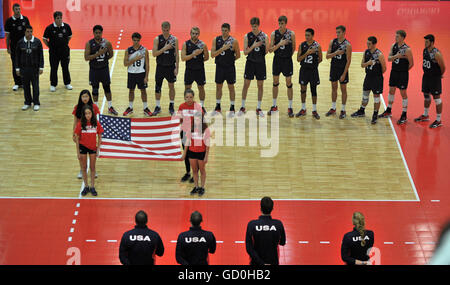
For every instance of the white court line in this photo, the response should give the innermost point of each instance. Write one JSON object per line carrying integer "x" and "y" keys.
{"x": 111, "y": 240}
{"x": 239, "y": 241}
{"x": 388, "y": 242}
{"x": 90, "y": 240}
{"x": 303, "y": 242}
{"x": 325, "y": 242}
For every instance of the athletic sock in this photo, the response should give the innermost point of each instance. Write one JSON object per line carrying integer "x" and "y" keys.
{"x": 425, "y": 111}
{"x": 333, "y": 105}
{"x": 314, "y": 107}
{"x": 218, "y": 101}
{"x": 145, "y": 105}
{"x": 243, "y": 103}
{"x": 438, "y": 117}
{"x": 343, "y": 107}
{"x": 290, "y": 104}
{"x": 303, "y": 106}
{"x": 131, "y": 104}
{"x": 202, "y": 102}
{"x": 405, "y": 104}
{"x": 259, "y": 104}
{"x": 274, "y": 102}
{"x": 157, "y": 103}
{"x": 109, "y": 104}
{"x": 232, "y": 103}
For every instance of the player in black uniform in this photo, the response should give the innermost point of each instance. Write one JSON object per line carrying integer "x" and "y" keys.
{"x": 309, "y": 55}
{"x": 15, "y": 31}
{"x": 433, "y": 71}
{"x": 355, "y": 244}
{"x": 256, "y": 45}
{"x": 402, "y": 61}
{"x": 165, "y": 49}
{"x": 98, "y": 51}
{"x": 375, "y": 65}
{"x": 195, "y": 52}
{"x": 340, "y": 52}
{"x": 225, "y": 50}
{"x": 282, "y": 43}
{"x": 193, "y": 246}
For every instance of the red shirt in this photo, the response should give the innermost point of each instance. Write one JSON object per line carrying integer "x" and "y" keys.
{"x": 198, "y": 142}
{"x": 186, "y": 112}
{"x": 88, "y": 137}
{"x": 94, "y": 106}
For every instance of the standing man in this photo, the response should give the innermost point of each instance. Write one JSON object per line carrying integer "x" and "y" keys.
{"x": 256, "y": 45}
{"x": 225, "y": 50}
{"x": 195, "y": 52}
{"x": 340, "y": 52}
{"x": 137, "y": 60}
{"x": 56, "y": 38}
{"x": 139, "y": 245}
{"x": 194, "y": 245}
{"x": 402, "y": 61}
{"x": 375, "y": 65}
{"x": 282, "y": 43}
{"x": 165, "y": 49}
{"x": 309, "y": 56}
{"x": 98, "y": 51}
{"x": 264, "y": 235}
{"x": 15, "y": 31}
{"x": 29, "y": 65}
{"x": 433, "y": 71}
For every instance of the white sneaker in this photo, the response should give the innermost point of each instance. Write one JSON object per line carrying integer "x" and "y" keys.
{"x": 52, "y": 88}
{"x": 36, "y": 107}
{"x": 15, "y": 87}
{"x": 80, "y": 176}
{"x": 69, "y": 87}
{"x": 25, "y": 107}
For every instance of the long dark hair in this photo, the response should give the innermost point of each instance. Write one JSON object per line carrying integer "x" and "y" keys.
{"x": 84, "y": 122}
{"x": 81, "y": 104}
{"x": 204, "y": 124}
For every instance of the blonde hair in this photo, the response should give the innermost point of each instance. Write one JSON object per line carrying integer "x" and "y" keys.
{"x": 197, "y": 29}
{"x": 359, "y": 223}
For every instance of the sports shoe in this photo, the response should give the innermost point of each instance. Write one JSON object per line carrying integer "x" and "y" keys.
{"x": 85, "y": 191}
{"x": 201, "y": 191}
{"x": 185, "y": 177}
{"x": 217, "y": 110}
{"x": 402, "y": 119}
{"x": 191, "y": 180}
{"x": 343, "y": 115}
{"x": 260, "y": 113}
{"x": 231, "y": 113}
{"x": 113, "y": 111}
{"x": 171, "y": 109}
{"x": 272, "y": 109}
{"x": 302, "y": 112}
{"x": 386, "y": 114}
{"x": 36, "y": 107}
{"x": 374, "y": 118}
{"x": 25, "y": 107}
{"x": 69, "y": 87}
{"x": 436, "y": 124}
{"x": 156, "y": 111}
{"x": 52, "y": 88}
{"x": 331, "y": 112}
{"x": 80, "y": 175}
{"x": 422, "y": 118}
{"x": 359, "y": 113}
{"x": 241, "y": 111}
{"x": 94, "y": 193}
{"x": 290, "y": 113}
{"x": 316, "y": 115}
{"x": 128, "y": 111}
{"x": 195, "y": 190}
{"x": 147, "y": 112}
{"x": 15, "y": 87}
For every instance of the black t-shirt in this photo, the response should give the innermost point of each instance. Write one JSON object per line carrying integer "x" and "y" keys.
{"x": 197, "y": 61}
{"x": 57, "y": 37}
{"x": 400, "y": 64}
{"x": 139, "y": 246}
{"x": 100, "y": 61}
{"x": 167, "y": 58}
{"x": 312, "y": 60}
{"x": 430, "y": 65}
{"x": 194, "y": 245}
{"x": 227, "y": 57}
{"x": 16, "y": 29}
{"x": 283, "y": 51}
{"x": 373, "y": 70}
{"x": 351, "y": 248}
{"x": 339, "y": 61}
{"x": 257, "y": 54}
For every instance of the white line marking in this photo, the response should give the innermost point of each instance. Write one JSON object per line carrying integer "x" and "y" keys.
{"x": 435, "y": 201}
{"x": 90, "y": 240}
{"x": 74, "y": 222}
{"x": 409, "y": 242}
{"x": 76, "y": 213}
{"x": 111, "y": 240}
{"x": 72, "y": 230}
{"x": 325, "y": 242}
{"x": 239, "y": 241}
{"x": 303, "y": 241}
{"x": 78, "y": 205}
{"x": 69, "y": 239}
{"x": 219, "y": 241}
{"x": 388, "y": 242}
{"x": 173, "y": 241}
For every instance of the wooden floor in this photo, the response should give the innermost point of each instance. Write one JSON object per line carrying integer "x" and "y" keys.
{"x": 325, "y": 159}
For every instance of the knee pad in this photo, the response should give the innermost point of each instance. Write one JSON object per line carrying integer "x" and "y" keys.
{"x": 289, "y": 86}
{"x": 365, "y": 97}
{"x": 438, "y": 101}
{"x": 107, "y": 88}
{"x": 376, "y": 99}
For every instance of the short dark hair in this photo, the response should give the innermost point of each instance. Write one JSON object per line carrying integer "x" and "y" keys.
{"x": 341, "y": 27}
{"x": 57, "y": 14}
{"x": 309, "y": 30}
{"x": 226, "y": 26}
{"x": 188, "y": 91}
{"x": 372, "y": 39}
{"x": 97, "y": 27}
{"x": 196, "y": 218}
{"x": 429, "y": 37}
{"x": 141, "y": 218}
{"x": 401, "y": 33}
{"x": 136, "y": 35}
{"x": 15, "y": 5}
{"x": 266, "y": 205}
{"x": 282, "y": 18}
{"x": 28, "y": 27}
{"x": 254, "y": 21}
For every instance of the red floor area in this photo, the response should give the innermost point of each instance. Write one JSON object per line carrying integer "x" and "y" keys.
{"x": 35, "y": 231}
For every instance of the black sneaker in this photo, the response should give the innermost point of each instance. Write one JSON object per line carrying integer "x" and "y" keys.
{"x": 435, "y": 124}
{"x": 94, "y": 193}
{"x": 386, "y": 114}
{"x": 402, "y": 119}
{"x": 191, "y": 180}
{"x": 290, "y": 113}
{"x": 201, "y": 191}
{"x": 374, "y": 118}
{"x": 85, "y": 191}
{"x": 185, "y": 177}
{"x": 171, "y": 109}
{"x": 232, "y": 111}
{"x": 195, "y": 190}
{"x": 128, "y": 111}
{"x": 112, "y": 111}
{"x": 331, "y": 112}
{"x": 342, "y": 115}
{"x": 315, "y": 115}
{"x": 359, "y": 113}
{"x": 156, "y": 111}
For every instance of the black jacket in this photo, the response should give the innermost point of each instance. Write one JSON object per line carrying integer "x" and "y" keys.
{"x": 139, "y": 246}
{"x": 262, "y": 240}
{"x": 351, "y": 248}
{"x": 194, "y": 245}
{"x": 29, "y": 53}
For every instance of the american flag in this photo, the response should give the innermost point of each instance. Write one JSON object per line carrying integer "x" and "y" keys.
{"x": 140, "y": 138}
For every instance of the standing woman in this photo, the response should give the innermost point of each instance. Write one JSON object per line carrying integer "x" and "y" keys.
{"x": 355, "y": 244}
{"x": 84, "y": 99}
{"x": 196, "y": 149}
{"x": 87, "y": 131}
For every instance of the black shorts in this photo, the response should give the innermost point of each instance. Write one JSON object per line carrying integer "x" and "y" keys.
{"x": 282, "y": 65}
{"x": 136, "y": 79}
{"x": 227, "y": 73}
{"x": 165, "y": 72}
{"x": 197, "y": 75}
{"x": 85, "y": 150}
{"x": 431, "y": 84}
{"x": 374, "y": 84}
{"x": 255, "y": 69}
{"x": 336, "y": 73}
{"x": 399, "y": 79}
{"x": 97, "y": 76}
{"x": 196, "y": 155}
{"x": 309, "y": 75}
